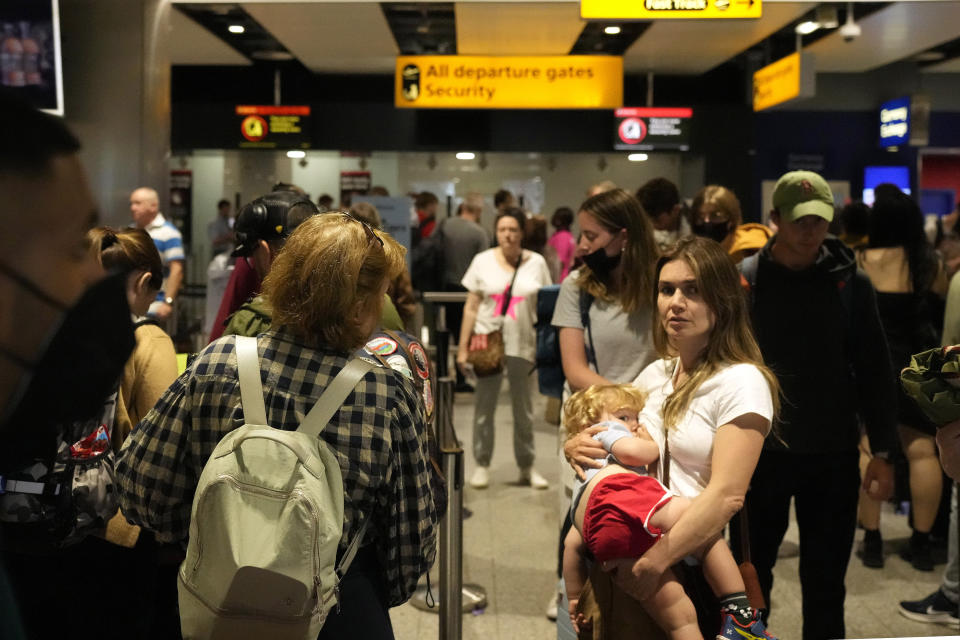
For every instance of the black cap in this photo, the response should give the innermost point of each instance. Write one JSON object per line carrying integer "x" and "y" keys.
{"x": 266, "y": 218}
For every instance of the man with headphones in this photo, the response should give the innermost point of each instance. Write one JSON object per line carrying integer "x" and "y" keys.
{"x": 262, "y": 228}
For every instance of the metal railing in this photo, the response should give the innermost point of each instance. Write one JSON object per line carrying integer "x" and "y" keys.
{"x": 452, "y": 588}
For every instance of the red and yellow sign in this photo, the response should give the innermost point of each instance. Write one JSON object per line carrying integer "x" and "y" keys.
{"x": 501, "y": 82}
{"x": 658, "y": 9}
{"x": 786, "y": 79}
{"x": 274, "y": 126}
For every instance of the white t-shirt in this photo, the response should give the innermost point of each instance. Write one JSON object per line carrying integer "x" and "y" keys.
{"x": 734, "y": 391}
{"x": 486, "y": 277}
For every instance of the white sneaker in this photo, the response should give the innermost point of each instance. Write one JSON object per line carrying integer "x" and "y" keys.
{"x": 529, "y": 475}
{"x": 480, "y": 478}
{"x": 552, "y": 607}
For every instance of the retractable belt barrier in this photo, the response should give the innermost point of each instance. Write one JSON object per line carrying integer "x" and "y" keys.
{"x": 455, "y": 597}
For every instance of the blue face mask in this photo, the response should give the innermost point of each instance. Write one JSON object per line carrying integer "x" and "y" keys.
{"x": 76, "y": 369}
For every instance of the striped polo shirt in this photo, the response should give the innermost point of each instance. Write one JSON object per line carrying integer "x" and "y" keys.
{"x": 169, "y": 243}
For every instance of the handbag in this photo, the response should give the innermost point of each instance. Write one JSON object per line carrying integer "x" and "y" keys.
{"x": 489, "y": 360}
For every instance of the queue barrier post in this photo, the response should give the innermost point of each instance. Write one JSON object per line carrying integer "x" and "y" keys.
{"x": 455, "y": 598}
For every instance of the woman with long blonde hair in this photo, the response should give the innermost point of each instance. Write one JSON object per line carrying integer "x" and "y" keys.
{"x": 711, "y": 402}
{"x": 611, "y": 290}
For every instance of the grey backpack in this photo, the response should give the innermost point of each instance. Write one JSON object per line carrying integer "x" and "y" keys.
{"x": 266, "y": 522}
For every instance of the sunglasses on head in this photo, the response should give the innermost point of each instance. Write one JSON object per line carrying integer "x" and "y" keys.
{"x": 367, "y": 229}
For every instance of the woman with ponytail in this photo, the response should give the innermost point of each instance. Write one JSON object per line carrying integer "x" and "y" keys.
{"x": 139, "y": 574}
{"x": 153, "y": 365}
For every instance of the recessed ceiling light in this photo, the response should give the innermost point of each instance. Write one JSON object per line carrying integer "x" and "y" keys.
{"x": 466, "y": 155}
{"x": 807, "y": 27}
{"x": 271, "y": 55}
{"x": 612, "y": 30}
{"x": 236, "y": 28}
{"x": 296, "y": 154}
{"x": 930, "y": 56}
{"x": 637, "y": 157}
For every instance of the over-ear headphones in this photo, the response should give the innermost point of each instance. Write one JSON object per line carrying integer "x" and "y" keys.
{"x": 267, "y": 217}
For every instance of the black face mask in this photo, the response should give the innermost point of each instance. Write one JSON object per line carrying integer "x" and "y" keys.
{"x": 717, "y": 230}
{"x": 74, "y": 373}
{"x": 600, "y": 263}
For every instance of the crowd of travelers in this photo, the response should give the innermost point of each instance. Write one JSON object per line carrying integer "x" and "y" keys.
{"x": 713, "y": 368}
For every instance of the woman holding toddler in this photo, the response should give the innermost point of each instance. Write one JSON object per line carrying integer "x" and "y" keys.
{"x": 709, "y": 405}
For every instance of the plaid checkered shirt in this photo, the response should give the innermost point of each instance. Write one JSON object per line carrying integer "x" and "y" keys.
{"x": 378, "y": 436}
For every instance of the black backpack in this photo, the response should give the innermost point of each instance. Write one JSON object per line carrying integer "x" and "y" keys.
{"x": 427, "y": 261}
{"x": 549, "y": 364}
{"x": 72, "y": 494}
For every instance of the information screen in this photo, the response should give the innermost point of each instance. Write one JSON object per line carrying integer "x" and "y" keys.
{"x": 872, "y": 176}
{"x": 30, "y": 52}
{"x": 651, "y": 129}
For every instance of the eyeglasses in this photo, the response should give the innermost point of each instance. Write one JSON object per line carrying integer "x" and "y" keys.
{"x": 367, "y": 229}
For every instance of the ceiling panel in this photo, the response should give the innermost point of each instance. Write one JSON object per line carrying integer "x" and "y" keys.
{"x": 192, "y": 44}
{"x": 339, "y": 37}
{"x": 950, "y": 66}
{"x": 506, "y": 28}
{"x": 692, "y": 47}
{"x": 891, "y": 34}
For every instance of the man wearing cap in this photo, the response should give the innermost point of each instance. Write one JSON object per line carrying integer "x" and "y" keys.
{"x": 816, "y": 321}
{"x": 262, "y": 227}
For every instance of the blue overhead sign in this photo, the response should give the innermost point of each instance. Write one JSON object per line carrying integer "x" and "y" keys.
{"x": 895, "y": 122}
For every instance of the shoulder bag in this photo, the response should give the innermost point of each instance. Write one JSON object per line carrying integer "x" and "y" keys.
{"x": 489, "y": 360}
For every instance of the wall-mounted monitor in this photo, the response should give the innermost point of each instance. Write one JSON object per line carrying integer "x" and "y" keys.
{"x": 650, "y": 129}
{"x": 872, "y": 176}
{"x": 30, "y": 52}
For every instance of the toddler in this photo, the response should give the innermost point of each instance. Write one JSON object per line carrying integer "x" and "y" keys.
{"x": 619, "y": 512}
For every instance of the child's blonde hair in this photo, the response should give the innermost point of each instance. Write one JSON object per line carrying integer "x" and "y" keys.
{"x": 584, "y": 407}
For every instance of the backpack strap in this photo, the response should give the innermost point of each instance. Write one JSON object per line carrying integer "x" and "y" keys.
{"x": 748, "y": 271}
{"x": 251, "y": 389}
{"x": 333, "y": 396}
{"x": 351, "y": 551}
{"x": 329, "y": 403}
{"x": 585, "y": 301}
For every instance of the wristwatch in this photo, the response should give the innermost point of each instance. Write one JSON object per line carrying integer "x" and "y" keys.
{"x": 168, "y": 300}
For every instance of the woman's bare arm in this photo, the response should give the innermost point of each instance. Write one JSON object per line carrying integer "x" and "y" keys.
{"x": 573, "y": 356}
{"x": 466, "y": 326}
{"x": 736, "y": 450}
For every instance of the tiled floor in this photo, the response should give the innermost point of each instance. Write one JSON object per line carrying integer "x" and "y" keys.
{"x": 510, "y": 547}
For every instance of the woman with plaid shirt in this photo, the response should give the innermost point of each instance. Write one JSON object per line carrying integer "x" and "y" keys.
{"x": 325, "y": 290}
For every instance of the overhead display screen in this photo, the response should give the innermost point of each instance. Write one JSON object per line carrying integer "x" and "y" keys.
{"x": 273, "y": 126}
{"x": 652, "y": 128}
{"x": 30, "y": 52}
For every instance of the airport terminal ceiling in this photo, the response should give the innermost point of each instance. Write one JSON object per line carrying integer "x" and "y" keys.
{"x": 337, "y": 53}
{"x": 365, "y": 37}
{"x": 340, "y": 57}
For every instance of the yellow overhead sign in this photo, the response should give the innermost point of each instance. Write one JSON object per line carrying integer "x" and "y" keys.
{"x": 502, "y": 82}
{"x": 653, "y": 9}
{"x": 786, "y": 79}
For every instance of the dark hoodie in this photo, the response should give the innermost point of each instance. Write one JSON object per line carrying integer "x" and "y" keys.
{"x": 829, "y": 353}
